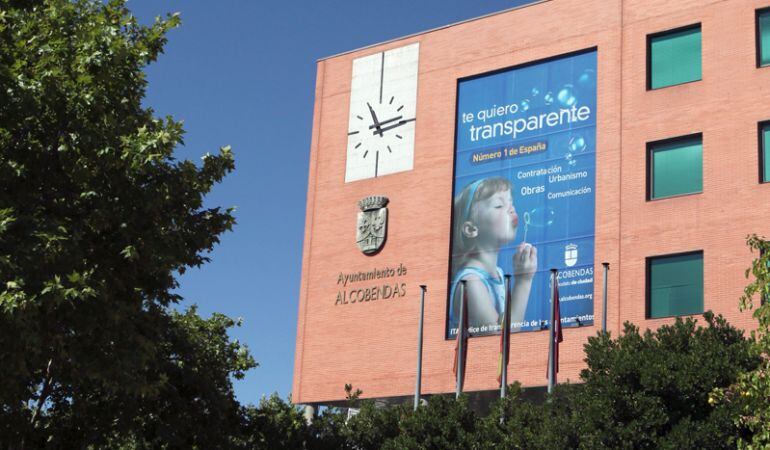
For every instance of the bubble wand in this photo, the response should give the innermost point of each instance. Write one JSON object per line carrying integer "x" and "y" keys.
{"x": 526, "y": 225}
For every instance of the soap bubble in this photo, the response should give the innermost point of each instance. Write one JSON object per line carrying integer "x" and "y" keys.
{"x": 566, "y": 96}
{"x": 524, "y": 105}
{"x": 535, "y": 92}
{"x": 541, "y": 217}
{"x": 577, "y": 144}
{"x": 527, "y": 221}
{"x": 548, "y": 98}
{"x": 587, "y": 79}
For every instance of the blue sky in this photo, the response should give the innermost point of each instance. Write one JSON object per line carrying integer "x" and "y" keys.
{"x": 242, "y": 73}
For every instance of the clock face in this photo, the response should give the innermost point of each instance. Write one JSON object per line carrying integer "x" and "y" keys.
{"x": 381, "y": 124}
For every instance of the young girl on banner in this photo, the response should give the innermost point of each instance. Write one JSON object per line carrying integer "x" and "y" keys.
{"x": 485, "y": 221}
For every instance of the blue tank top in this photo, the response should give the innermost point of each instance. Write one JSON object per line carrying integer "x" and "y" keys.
{"x": 495, "y": 288}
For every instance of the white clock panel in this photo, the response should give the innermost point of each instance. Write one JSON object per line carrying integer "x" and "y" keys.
{"x": 383, "y": 103}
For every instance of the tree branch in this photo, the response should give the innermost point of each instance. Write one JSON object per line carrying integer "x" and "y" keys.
{"x": 44, "y": 393}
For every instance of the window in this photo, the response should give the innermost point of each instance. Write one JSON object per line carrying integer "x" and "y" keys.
{"x": 763, "y": 37}
{"x": 764, "y": 152}
{"x": 674, "y": 57}
{"x": 675, "y": 285}
{"x": 675, "y": 167}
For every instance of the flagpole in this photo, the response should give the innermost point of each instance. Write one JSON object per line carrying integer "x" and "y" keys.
{"x": 551, "y": 334}
{"x": 418, "y": 387}
{"x": 505, "y": 329}
{"x": 604, "y": 297}
{"x": 460, "y": 344}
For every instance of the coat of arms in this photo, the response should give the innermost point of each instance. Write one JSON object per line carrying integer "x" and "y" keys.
{"x": 372, "y": 224}
{"x": 570, "y": 255}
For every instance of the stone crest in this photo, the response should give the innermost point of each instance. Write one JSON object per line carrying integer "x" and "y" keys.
{"x": 372, "y": 226}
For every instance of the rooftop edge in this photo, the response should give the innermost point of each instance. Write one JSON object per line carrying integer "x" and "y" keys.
{"x": 514, "y": 8}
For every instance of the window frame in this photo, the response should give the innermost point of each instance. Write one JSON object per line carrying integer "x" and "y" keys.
{"x": 650, "y": 176}
{"x": 652, "y": 36}
{"x": 761, "y": 144}
{"x": 758, "y": 36}
{"x": 648, "y": 283}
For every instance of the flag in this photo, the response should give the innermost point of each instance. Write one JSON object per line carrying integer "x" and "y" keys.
{"x": 557, "y": 336}
{"x": 462, "y": 337}
{"x": 505, "y": 336}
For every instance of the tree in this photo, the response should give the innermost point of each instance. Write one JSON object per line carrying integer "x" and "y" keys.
{"x": 369, "y": 429}
{"x": 373, "y": 426}
{"x": 444, "y": 423}
{"x": 195, "y": 407}
{"x": 532, "y": 425}
{"x": 750, "y": 394}
{"x": 97, "y": 218}
{"x": 274, "y": 424}
{"x": 640, "y": 390}
{"x": 651, "y": 389}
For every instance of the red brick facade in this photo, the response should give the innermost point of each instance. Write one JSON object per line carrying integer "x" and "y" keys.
{"x": 372, "y": 345}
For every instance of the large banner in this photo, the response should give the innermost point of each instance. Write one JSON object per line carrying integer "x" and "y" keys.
{"x": 524, "y": 194}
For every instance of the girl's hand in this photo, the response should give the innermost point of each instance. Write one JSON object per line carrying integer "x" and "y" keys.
{"x": 525, "y": 262}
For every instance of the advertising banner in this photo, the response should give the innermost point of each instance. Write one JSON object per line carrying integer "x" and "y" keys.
{"x": 524, "y": 194}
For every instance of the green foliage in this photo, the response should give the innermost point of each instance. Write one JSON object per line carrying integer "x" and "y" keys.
{"x": 641, "y": 390}
{"x": 195, "y": 406}
{"x": 97, "y": 218}
{"x": 329, "y": 431}
{"x": 749, "y": 396}
{"x": 530, "y": 425}
{"x": 651, "y": 390}
{"x": 274, "y": 424}
{"x": 443, "y": 424}
{"x": 373, "y": 426}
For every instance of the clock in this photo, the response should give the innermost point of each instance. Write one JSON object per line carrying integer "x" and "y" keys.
{"x": 381, "y": 122}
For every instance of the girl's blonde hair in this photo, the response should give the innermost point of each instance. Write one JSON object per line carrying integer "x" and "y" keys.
{"x": 464, "y": 210}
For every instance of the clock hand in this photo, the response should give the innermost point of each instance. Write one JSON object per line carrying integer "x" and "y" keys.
{"x": 374, "y": 119}
{"x": 374, "y": 116}
{"x": 386, "y": 121}
{"x": 380, "y": 130}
